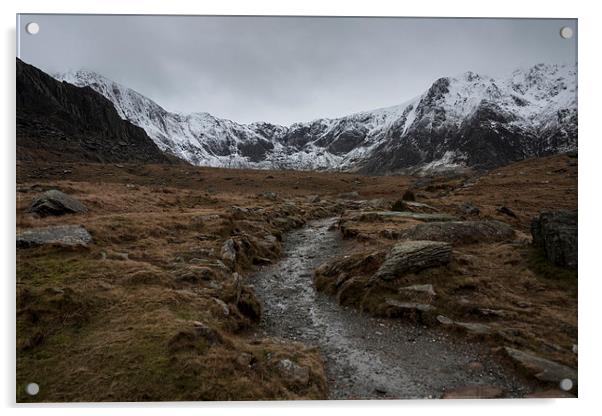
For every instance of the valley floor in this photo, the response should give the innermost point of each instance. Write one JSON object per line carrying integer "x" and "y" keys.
{"x": 177, "y": 296}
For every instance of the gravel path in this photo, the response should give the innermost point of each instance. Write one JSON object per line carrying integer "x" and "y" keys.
{"x": 366, "y": 357}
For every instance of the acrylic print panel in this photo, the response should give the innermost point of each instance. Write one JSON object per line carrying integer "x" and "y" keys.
{"x": 266, "y": 208}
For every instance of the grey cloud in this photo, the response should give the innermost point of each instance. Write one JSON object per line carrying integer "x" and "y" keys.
{"x": 288, "y": 69}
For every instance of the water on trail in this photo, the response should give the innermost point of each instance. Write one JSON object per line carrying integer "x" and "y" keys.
{"x": 366, "y": 357}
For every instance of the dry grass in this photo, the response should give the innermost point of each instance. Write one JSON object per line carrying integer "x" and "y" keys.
{"x": 116, "y": 321}
{"x": 99, "y": 324}
{"x": 509, "y": 286}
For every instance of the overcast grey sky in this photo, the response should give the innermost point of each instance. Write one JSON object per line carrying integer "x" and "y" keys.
{"x": 287, "y": 69}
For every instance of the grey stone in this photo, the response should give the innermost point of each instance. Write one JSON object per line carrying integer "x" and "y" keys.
{"x": 556, "y": 233}
{"x": 470, "y": 327}
{"x": 402, "y": 206}
{"x": 229, "y": 252}
{"x": 413, "y": 256}
{"x": 223, "y": 305}
{"x": 384, "y": 215}
{"x": 426, "y": 288}
{"x": 272, "y": 196}
{"x": 470, "y": 209}
{"x": 461, "y": 232}
{"x": 541, "y": 368}
{"x": 55, "y": 202}
{"x": 62, "y": 235}
{"x": 410, "y": 306}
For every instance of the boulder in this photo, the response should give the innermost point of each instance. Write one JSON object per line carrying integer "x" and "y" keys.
{"x": 461, "y": 232}
{"x": 55, "y": 202}
{"x": 541, "y": 368}
{"x": 556, "y": 233}
{"x": 61, "y": 235}
{"x": 413, "y": 256}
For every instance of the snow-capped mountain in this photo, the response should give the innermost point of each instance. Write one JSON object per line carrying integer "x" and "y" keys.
{"x": 469, "y": 120}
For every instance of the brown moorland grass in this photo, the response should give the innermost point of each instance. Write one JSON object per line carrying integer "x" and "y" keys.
{"x": 116, "y": 321}
{"x": 527, "y": 302}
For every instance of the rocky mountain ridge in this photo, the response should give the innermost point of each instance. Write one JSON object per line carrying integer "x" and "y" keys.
{"x": 60, "y": 121}
{"x": 469, "y": 120}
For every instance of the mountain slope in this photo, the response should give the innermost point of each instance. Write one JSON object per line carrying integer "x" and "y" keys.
{"x": 469, "y": 120}
{"x": 60, "y": 121}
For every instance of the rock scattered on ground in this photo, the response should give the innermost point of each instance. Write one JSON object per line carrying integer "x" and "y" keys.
{"x": 272, "y": 196}
{"x": 469, "y": 208}
{"x": 229, "y": 252}
{"x": 55, "y": 202}
{"x": 61, "y": 235}
{"x": 413, "y": 256}
{"x": 461, "y": 232}
{"x": 416, "y": 311}
{"x": 506, "y": 211}
{"x": 556, "y": 233}
{"x": 426, "y": 288}
{"x": 474, "y": 328}
{"x": 412, "y": 206}
{"x": 541, "y": 368}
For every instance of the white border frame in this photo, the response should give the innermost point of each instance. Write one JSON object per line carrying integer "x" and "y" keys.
{"x": 590, "y": 95}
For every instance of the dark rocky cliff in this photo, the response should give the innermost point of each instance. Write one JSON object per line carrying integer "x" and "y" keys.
{"x": 59, "y": 121}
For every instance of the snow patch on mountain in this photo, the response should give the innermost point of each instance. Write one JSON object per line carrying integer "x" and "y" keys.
{"x": 536, "y": 104}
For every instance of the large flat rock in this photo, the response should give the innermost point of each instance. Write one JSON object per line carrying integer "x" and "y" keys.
{"x": 413, "y": 256}
{"x": 461, "y": 232}
{"x": 390, "y": 215}
{"x": 474, "y": 328}
{"x": 55, "y": 202}
{"x": 62, "y": 235}
{"x": 541, "y": 368}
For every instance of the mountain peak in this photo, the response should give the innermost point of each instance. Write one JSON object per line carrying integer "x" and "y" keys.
{"x": 516, "y": 115}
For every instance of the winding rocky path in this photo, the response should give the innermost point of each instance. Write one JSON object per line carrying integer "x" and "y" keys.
{"x": 366, "y": 357}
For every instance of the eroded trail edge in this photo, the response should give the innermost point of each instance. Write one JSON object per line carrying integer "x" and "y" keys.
{"x": 366, "y": 357}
